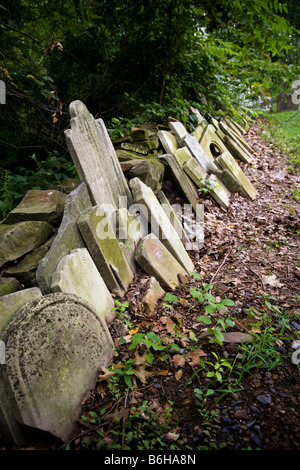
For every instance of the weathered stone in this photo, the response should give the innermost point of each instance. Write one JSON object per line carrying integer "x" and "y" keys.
{"x": 227, "y": 161}
{"x": 229, "y": 181}
{"x": 46, "y": 206}
{"x": 182, "y": 155}
{"x": 153, "y": 293}
{"x": 128, "y": 232}
{"x": 10, "y": 428}
{"x": 211, "y": 143}
{"x": 8, "y": 285}
{"x": 101, "y": 241}
{"x": 25, "y": 270}
{"x": 194, "y": 170}
{"x": 77, "y": 274}
{"x": 160, "y": 223}
{"x": 178, "y": 129}
{"x": 181, "y": 181}
{"x": 67, "y": 238}
{"x": 95, "y": 158}
{"x": 235, "y": 135}
{"x": 236, "y": 150}
{"x": 218, "y": 191}
{"x": 18, "y": 239}
{"x": 150, "y": 171}
{"x": 197, "y": 113}
{"x": 173, "y": 217}
{"x": 213, "y": 184}
{"x": 197, "y": 133}
{"x": 67, "y": 186}
{"x": 168, "y": 141}
{"x": 236, "y": 337}
{"x": 199, "y": 153}
{"x": 54, "y": 348}
{"x": 285, "y": 103}
{"x": 133, "y": 147}
{"x": 11, "y": 303}
{"x": 158, "y": 262}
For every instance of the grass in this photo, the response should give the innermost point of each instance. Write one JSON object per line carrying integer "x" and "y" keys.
{"x": 284, "y": 130}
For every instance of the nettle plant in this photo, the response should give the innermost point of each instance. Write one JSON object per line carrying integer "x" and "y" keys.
{"x": 212, "y": 305}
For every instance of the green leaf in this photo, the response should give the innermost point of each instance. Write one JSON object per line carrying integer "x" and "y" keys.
{"x": 206, "y": 320}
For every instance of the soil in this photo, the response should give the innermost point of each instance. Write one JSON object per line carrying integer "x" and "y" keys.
{"x": 251, "y": 255}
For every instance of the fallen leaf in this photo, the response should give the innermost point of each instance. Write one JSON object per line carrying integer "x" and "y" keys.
{"x": 178, "y": 360}
{"x": 178, "y": 374}
{"x": 271, "y": 281}
{"x": 193, "y": 356}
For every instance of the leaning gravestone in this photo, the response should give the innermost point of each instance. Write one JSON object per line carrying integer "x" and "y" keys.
{"x": 199, "y": 153}
{"x": 101, "y": 241}
{"x": 95, "y": 159}
{"x": 68, "y": 236}
{"x": 168, "y": 141}
{"x": 227, "y": 162}
{"x": 158, "y": 262}
{"x": 54, "y": 348}
{"x": 77, "y": 274}
{"x": 160, "y": 224}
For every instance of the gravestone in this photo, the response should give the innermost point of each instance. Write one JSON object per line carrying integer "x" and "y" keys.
{"x": 211, "y": 143}
{"x": 128, "y": 232}
{"x": 178, "y": 129}
{"x": 181, "y": 181}
{"x": 67, "y": 238}
{"x": 77, "y": 274}
{"x": 159, "y": 222}
{"x": 199, "y": 153}
{"x": 54, "y": 348}
{"x": 104, "y": 248}
{"x": 95, "y": 159}
{"x": 182, "y": 155}
{"x": 285, "y": 102}
{"x": 227, "y": 162}
{"x": 158, "y": 262}
{"x": 168, "y": 141}
{"x": 174, "y": 217}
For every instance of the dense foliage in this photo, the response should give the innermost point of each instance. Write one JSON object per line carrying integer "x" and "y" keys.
{"x": 135, "y": 59}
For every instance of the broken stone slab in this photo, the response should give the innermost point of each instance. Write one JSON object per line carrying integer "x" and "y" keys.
{"x": 194, "y": 170}
{"x": 150, "y": 171}
{"x": 182, "y": 155}
{"x": 135, "y": 148}
{"x": 95, "y": 158}
{"x": 159, "y": 222}
{"x": 154, "y": 292}
{"x": 67, "y": 238}
{"x": 197, "y": 113}
{"x": 158, "y": 262}
{"x": 18, "y": 239}
{"x": 178, "y": 129}
{"x": 25, "y": 269}
{"x": 54, "y": 348}
{"x": 199, "y": 153}
{"x": 67, "y": 186}
{"x": 97, "y": 231}
{"x": 77, "y": 274}
{"x": 8, "y": 285}
{"x": 46, "y": 206}
{"x": 227, "y": 161}
{"x": 168, "y": 142}
{"x": 182, "y": 182}
{"x": 197, "y": 133}
{"x": 173, "y": 216}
